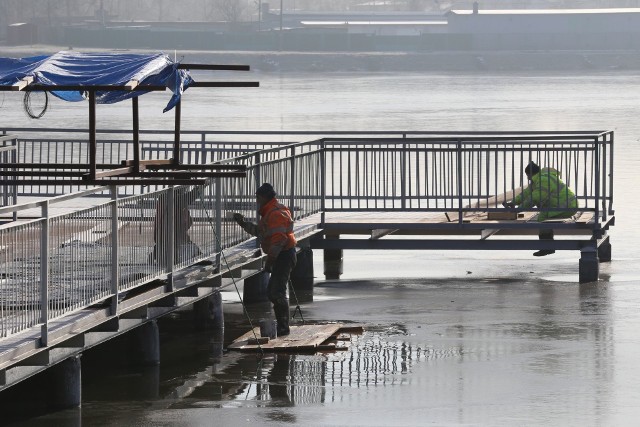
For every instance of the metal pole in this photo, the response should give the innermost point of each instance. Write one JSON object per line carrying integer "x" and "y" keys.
{"x": 115, "y": 253}
{"x": 292, "y": 199}
{"x": 459, "y": 178}
{"x": 258, "y": 179}
{"x": 92, "y": 134}
{"x": 14, "y": 161}
{"x": 136, "y": 134}
{"x": 44, "y": 275}
{"x": 170, "y": 235}
{"x": 323, "y": 182}
{"x": 176, "y": 136}
{"x": 218, "y": 187}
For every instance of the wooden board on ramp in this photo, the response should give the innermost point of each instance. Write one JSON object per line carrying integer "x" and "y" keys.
{"x": 301, "y": 338}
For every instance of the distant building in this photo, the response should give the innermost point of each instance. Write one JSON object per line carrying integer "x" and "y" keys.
{"x": 548, "y": 29}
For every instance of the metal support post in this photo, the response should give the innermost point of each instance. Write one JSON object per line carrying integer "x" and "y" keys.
{"x": 323, "y": 182}
{"x": 258, "y": 176}
{"x": 459, "y": 179}
{"x": 136, "y": 134}
{"x": 292, "y": 199}
{"x": 403, "y": 176}
{"x": 176, "y": 136}
{"x": 93, "y": 149}
{"x": 44, "y": 275}
{"x": 171, "y": 230}
{"x": 219, "y": 238}
{"x": 115, "y": 253}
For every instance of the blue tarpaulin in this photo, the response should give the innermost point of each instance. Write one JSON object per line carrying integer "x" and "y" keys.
{"x": 116, "y": 69}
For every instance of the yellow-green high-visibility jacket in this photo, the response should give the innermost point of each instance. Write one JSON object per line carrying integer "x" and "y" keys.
{"x": 547, "y": 191}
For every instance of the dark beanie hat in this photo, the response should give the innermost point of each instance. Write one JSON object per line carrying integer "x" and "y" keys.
{"x": 266, "y": 190}
{"x": 532, "y": 169}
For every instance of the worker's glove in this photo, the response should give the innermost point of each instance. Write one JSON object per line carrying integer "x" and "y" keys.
{"x": 509, "y": 205}
{"x": 237, "y": 217}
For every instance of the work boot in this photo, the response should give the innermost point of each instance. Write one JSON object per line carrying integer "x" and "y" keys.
{"x": 544, "y": 252}
{"x": 281, "y": 310}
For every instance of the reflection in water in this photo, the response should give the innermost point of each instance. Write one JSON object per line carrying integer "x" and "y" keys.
{"x": 282, "y": 380}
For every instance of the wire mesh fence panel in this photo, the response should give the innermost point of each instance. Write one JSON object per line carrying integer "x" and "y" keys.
{"x": 20, "y": 292}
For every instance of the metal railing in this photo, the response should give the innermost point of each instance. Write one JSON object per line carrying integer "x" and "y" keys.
{"x": 54, "y": 265}
{"x": 60, "y": 145}
{"x": 8, "y": 158}
{"x": 464, "y": 174}
{"x": 57, "y": 264}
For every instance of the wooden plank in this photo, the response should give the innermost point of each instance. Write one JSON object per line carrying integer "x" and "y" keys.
{"x": 376, "y": 234}
{"x": 131, "y": 84}
{"x": 26, "y": 81}
{"x": 300, "y": 338}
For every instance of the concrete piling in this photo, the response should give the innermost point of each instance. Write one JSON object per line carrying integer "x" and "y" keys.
{"x": 208, "y": 312}
{"x": 604, "y": 251}
{"x": 144, "y": 345}
{"x": 255, "y": 288}
{"x": 65, "y": 384}
{"x": 302, "y": 275}
{"x": 589, "y": 265}
{"x": 332, "y": 260}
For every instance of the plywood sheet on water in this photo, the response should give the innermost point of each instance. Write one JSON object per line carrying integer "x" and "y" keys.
{"x": 300, "y": 338}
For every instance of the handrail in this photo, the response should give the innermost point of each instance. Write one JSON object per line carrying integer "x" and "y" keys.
{"x": 156, "y": 237}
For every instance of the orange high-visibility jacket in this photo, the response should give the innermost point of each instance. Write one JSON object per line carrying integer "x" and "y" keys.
{"x": 275, "y": 229}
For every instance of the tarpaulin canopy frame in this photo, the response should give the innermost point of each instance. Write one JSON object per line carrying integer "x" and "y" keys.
{"x": 131, "y": 171}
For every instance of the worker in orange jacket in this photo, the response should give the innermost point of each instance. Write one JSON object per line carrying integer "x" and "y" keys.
{"x": 275, "y": 233}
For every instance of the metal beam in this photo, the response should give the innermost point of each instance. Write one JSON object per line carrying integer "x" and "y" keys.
{"x": 478, "y": 245}
{"x": 101, "y": 182}
{"x": 82, "y": 88}
{"x": 225, "y": 84}
{"x": 214, "y": 67}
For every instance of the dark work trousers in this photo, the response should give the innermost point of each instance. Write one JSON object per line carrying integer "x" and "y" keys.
{"x": 280, "y": 272}
{"x": 545, "y": 234}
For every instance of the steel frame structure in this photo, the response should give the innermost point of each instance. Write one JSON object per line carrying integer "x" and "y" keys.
{"x": 129, "y": 172}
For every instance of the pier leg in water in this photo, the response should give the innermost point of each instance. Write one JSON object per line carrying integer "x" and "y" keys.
{"x": 604, "y": 251}
{"x": 65, "y": 386}
{"x": 589, "y": 265}
{"x": 208, "y": 312}
{"x": 332, "y": 261}
{"x": 255, "y": 288}
{"x": 209, "y": 315}
{"x": 302, "y": 276}
{"x": 144, "y": 345}
{"x": 144, "y": 352}
{"x": 217, "y": 342}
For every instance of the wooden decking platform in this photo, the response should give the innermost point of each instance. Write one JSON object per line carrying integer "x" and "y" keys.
{"x": 334, "y": 336}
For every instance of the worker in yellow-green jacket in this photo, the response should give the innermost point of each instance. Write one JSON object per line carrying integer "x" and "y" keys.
{"x": 546, "y": 191}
